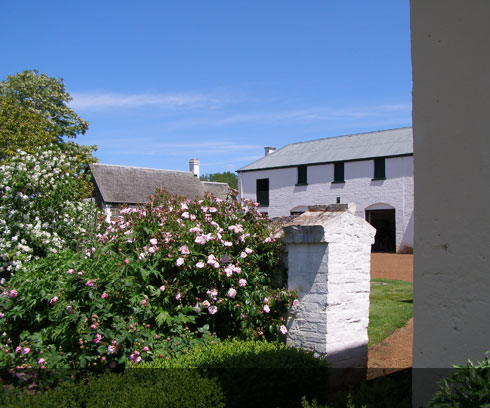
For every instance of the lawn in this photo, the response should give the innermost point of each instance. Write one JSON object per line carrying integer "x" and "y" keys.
{"x": 391, "y": 308}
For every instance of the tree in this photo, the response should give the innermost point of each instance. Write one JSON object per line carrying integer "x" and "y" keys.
{"x": 225, "y": 177}
{"x": 46, "y": 97}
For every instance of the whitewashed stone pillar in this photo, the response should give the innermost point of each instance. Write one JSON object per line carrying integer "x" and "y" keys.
{"x": 329, "y": 253}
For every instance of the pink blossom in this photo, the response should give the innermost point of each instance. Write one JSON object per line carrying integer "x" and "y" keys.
{"x": 143, "y": 302}
{"x": 248, "y": 251}
{"x": 213, "y": 209}
{"x": 13, "y": 293}
{"x": 69, "y": 309}
{"x": 231, "y": 293}
{"x": 70, "y": 271}
{"x": 184, "y": 250}
{"x": 266, "y": 300}
{"x": 227, "y": 243}
{"x": 103, "y": 358}
{"x": 153, "y": 241}
{"x": 162, "y": 288}
{"x": 283, "y": 329}
{"x": 237, "y": 270}
{"x": 146, "y": 349}
{"x": 243, "y": 254}
{"x": 178, "y": 296}
{"x": 183, "y": 206}
{"x": 212, "y": 310}
{"x": 93, "y": 326}
{"x": 295, "y": 302}
{"x": 212, "y": 293}
{"x": 266, "y": 309}
{"x": 1, "y": 315}
{"x": 111, "y": 349}
{"x": 80, "y": 273}
{"x": 229, "y": 271}
{"x": 197, "y": 308}
{"x": 41, "y": 361}
{"x": 242, "y": 283}
{"x": 268, "y": 239}
{"x": 104, "y": 295}
{"x": 200, "y": 265}
{"x": 179, "y": 262}
{"x": 26, "y": 351}
{"x": 97, "y": 338}
{"x": 185, "y": 215}
{"x": 90, "y": 283}
{"x": 53, "y": 300}
{"x": 126, "y": 261}
{"x": 17, "y": 350}
{"x": 206, "y": 304}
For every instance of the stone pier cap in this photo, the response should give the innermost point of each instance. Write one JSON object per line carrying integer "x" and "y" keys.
{"x": 328, "y": 223}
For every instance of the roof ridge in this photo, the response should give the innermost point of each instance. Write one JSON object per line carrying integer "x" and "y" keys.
{"x": 137, "y": 167}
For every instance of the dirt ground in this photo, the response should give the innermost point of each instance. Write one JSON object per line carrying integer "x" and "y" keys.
{"x": 395, "y": 352}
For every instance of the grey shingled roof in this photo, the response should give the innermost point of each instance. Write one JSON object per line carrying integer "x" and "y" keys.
{"x": 383, "y": 143}
{"x": 133, "y": 185}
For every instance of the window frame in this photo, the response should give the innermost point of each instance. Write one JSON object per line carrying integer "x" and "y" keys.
{"x": 302, "y": 174}
{"x": 338, "y": 170}
{"x": 379, "y": 168}
{"x": 259, "y": 194}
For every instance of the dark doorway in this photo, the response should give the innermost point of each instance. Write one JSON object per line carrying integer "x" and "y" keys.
{"x": 384, "y": 222}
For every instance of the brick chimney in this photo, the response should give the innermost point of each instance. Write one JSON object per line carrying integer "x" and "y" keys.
{"x": 269, "y": 150}
{"x": 194, "y": 167}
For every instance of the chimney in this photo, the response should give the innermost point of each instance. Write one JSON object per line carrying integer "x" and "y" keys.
{"x": 269, "y": 150}
{"x": 194, "y": 167}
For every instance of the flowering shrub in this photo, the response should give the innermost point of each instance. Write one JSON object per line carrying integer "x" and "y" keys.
{"x": 156, "y": 282}
{"x": 41, "y": 210}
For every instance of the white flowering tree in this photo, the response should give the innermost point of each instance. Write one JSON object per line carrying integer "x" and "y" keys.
{"x": 41, "y": 206}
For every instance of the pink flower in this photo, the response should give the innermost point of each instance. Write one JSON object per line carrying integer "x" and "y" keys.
{"x": 104, "y": 295}
{"x": 248, "y": 251}
{"x": 70, "y": 271}
{"x": 53, "y": 300}
{"x": 26, "y": 351}
{"x": 184, "y": 250}
{"x": 213, "y": 209}
{"x": 212, "y": 293}
{"x": 243, "y": 254}
{"x": 111, "y": 349}
{"x": 103, "y": 358}
{"x": 17, "y": 350}
{"x": 13, "y": 293}
{"x": 295, "y": 302}
{"x": 283, "y": 329}
{"x": 126, "y": 261}
{"x": 178, "y": 296}
{"x": 231, "y": 293}
{"x": 146, "y": 349}
{"x": 1, "y": 315}
{"x": 162, "y": 288}
{"x": 179, "y": 261}
{"x": 212, "y": 310}
{"x": 200, "y": 265}
{"x": 69, "y": 309}
{"x": 80, "y": 273}
{"x": 197, "y": 309}
{"x": 206, "y": 304}
{"x": 41, "y": 361}
{"x": 183, "y": 206}
{"x": 93, "y": 326}
{"x": 228, "y": 271}
{"x": 185, "y": 215}
{"x": 90, "y": 283}
{"x": 242, "y": 283}
{"x": 97, "y": 338}
{"x": 153, "y": 241}
{"x": 266, "y": 309}
{"x": 143, "y": 302}
{"x": 268, "y": 239}
{"x": 227, "y": 243}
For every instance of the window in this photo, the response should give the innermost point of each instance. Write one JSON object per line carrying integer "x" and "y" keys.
{"x": 338, "y": 172}
{"x": 379, "y": 169}
{"x": 302, "y": 176}
{"x": 263, "y": 192}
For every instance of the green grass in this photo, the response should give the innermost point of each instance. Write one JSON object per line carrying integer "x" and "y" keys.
{"x": 391, "y": 308}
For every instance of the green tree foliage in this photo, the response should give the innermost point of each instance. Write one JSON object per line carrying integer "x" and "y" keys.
{"x": 21, "y": 128}
{"x": 225, "y": 177}
{"x": 47, "y": 97}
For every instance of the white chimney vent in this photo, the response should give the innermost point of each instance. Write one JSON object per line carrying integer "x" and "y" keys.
{"x": 194, "y": 167}
{"x": 269, "y": 150}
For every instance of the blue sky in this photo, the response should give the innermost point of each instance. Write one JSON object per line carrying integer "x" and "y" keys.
{"x": 164, "y": 81}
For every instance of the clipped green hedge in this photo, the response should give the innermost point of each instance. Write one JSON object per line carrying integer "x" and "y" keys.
{"x": 257, "y": 373}
{"x": 134, "y": 389}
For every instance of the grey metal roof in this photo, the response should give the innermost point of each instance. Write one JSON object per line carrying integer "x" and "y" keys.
{"x": 383, "y": 143}
{"x": 133, "y": 185}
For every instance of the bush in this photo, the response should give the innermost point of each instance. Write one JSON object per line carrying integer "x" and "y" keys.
{"x": 137, "y": 388}
{"x": 468, "y": 387}
{"x": 257, "y": 373}
{"x": 41, "y": 207}
{"x": 157, "y": 282}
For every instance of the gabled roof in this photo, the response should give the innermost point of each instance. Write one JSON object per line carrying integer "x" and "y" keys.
{"x": 133, "y": 185}
{"x": 219, "y": 190}
{"x": 383, "y": 143}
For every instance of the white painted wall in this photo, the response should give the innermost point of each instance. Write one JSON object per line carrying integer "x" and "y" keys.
{"x": 396, "y": 190}
{"x": 451, "y": 126}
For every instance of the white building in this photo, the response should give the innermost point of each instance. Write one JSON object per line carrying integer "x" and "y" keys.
{"x": 372, "y": 170}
